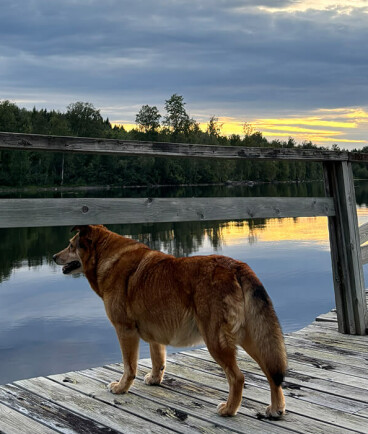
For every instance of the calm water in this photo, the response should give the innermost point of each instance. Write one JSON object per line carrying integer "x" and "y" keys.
{"x": 52, "y": 323}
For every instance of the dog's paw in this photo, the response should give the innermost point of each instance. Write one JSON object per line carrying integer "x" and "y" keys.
{"x": 115, "y": 387}
{"x": 277, "y": 413}
{"x": 223, "y": 410}
{"x": 151, "y": 380}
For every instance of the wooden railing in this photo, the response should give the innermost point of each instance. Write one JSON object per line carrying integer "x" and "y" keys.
{"x": 339, "y": 204}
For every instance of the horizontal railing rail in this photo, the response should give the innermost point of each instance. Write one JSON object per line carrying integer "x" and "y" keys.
{"x": 62, "y": 212}
{"x": 35, "y": 142}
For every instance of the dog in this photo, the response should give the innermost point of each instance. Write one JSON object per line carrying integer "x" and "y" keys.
{"x": 180, "y": 301}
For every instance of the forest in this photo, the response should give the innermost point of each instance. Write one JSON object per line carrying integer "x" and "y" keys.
{"x": 82, "y": 119}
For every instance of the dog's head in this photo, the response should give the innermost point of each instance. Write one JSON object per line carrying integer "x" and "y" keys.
{"x": 77, "y": 254}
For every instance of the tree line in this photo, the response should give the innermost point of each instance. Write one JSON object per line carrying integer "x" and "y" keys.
{"x": 25, "y": 168}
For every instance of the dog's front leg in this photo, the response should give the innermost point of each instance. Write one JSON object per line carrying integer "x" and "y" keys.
{"x": 158, "y": 357}
{"x": 129, "y": 344}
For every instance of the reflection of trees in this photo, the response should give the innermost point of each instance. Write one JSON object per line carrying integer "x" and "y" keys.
{"x": 37, "y": 245}
{"x": 179, "y": 239}
{"x": 32, "y": 246}
{"x": 185, "y": 238}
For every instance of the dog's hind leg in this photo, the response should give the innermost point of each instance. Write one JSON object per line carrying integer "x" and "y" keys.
{"x": 225, "y": 356}
{"x": 158, "y": 357}
{"x": 129, "y": 344}
{"x": 274, "y": 376}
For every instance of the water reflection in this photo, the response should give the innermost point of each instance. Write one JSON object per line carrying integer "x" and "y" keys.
{"x": 34, "y": 247}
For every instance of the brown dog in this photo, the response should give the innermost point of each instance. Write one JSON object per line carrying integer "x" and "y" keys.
{"x": 180, "y": 301}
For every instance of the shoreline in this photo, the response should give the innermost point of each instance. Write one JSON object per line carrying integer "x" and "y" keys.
{"x": 35, "y": 189}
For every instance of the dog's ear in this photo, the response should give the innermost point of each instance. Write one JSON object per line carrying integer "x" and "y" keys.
{"x": 82, "y": 229}
{"x": 85, "y": 232}
{"x": 85, "y": 235}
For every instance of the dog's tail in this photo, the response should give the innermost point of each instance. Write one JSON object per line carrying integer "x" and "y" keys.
{"x": 262, "y": 337}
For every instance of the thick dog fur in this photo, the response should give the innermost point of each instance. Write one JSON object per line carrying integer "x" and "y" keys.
{"x": 180, "y": 301}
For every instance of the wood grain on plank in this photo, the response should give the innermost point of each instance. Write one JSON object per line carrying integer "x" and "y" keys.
{"x": 172, "y": 416}
{"x": 13, "y": 422}
{"x": 89, "y": 408}
{"x": 48, "y": 413}
{"x": 63, "y": 212}
{"x": 86, "y": 145}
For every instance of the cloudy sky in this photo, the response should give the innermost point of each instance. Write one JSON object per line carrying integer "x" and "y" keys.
{"x": 289, "y": 67}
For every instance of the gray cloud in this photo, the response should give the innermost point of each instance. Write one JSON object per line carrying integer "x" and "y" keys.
{"x": 227, "y": 54}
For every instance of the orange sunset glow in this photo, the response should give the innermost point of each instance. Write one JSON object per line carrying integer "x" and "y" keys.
{"x": 311, "y": 229}
{"x": 305, "y": 229}
{"x": 322, "y": 126}
{"x": 343, "y": 6}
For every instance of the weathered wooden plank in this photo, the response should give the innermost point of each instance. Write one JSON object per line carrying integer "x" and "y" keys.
{"x": 358, "y": 157}
{"x": 13, "y": 422}
{"x": 87, "y": 145}
{"x": 301, "y": 416}
{"x": 324, "y": 334}
{"x": 327, "y": 317}
{"x": 327, "y": 372}
{"x": 61, "y": 212}
{"x": 173, "y": 416}
{"x": 323, "y": 346}
{"x": 189, "y": 398}
{"x": 329, "y": 326}
{"x": 335, "y": 344}
{"x": 48, "y": 413}
{"x": 338, "y": 373}
{"x": 89, "y": 408}
{"x": 326, "y": 361}
{"x": 353, "y": 358}
{"x": 363, "y": 413}
{"x": 309, "y": 378}
{"x": 345, "y": 250}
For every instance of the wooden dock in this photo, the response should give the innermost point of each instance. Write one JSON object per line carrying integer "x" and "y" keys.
{"x": 326, "y": 391}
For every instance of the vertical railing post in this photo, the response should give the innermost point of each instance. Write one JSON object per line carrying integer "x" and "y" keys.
{"x": 345, "y": 249}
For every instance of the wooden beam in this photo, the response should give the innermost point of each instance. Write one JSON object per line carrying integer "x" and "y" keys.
{"x": 62, "y": 212}
{"x": 35, "y": 142}
{"x": 345, "y": 250}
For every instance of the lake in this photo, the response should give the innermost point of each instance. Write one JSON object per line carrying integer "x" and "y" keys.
{"x": 51, "y": 323}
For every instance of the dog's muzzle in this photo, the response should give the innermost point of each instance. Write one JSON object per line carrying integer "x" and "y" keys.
{"x": 71, "y": 266}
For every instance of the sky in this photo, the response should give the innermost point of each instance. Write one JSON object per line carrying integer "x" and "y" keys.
{"x": 288, "y": 67}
